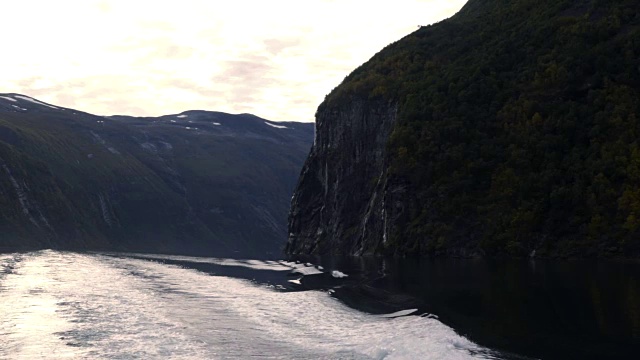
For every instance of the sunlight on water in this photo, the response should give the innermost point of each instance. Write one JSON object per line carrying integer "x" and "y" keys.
{"x": 65, "y": 305}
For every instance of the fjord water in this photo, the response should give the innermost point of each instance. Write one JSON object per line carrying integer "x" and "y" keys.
{"x": 549, "y": 309}
{"x": 58, "y": 305}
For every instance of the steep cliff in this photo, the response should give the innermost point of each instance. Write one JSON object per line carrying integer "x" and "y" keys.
{"x": 510, "y": 128}
{"x": 337, "y": 193}
{"x": 195, "y": 182}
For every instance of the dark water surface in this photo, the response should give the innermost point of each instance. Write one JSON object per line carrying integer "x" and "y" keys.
{"x": 550, "y": 309}
{"x": 63, "y": 305}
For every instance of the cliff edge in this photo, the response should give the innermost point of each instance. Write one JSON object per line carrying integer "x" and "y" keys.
{"x": 510, "y": 128}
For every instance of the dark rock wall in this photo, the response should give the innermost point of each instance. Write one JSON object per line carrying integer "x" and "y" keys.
{"x": 339, "y": 205}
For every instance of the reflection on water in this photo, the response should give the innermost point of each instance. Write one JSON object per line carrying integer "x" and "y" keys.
{"x": 548, "y": 309}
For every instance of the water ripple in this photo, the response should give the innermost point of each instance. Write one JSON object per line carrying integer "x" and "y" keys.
{"x": 65, "y": 305}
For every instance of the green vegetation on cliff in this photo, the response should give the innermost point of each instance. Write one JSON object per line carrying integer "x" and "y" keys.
{"x": 518, "y": 128}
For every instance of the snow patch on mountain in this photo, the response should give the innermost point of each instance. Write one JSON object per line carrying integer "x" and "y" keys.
{"x": 276, "y": 126}
{"x": 34, "y": 101}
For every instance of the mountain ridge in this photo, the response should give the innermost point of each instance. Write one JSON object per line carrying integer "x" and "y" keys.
{"x": 187, "y": 182}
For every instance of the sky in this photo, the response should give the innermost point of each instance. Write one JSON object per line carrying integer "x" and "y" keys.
{"x": 275, "y": 59}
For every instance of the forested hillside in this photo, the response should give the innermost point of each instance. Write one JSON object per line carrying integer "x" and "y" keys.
{"x": 516, "y": 132}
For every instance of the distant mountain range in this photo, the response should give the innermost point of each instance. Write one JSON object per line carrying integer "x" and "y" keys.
{"x": 193, "y": 182}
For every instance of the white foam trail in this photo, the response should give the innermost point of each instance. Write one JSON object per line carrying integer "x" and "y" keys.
{"x": 317, "y": 322}
{"x": 306, "y": 270}
{"x": 338, "y": 274}
{"x": 61, "y": 306}
{"x": 65, "y": 305}
{"x": 399, "y": 313}
{"x": 251, "y": 264}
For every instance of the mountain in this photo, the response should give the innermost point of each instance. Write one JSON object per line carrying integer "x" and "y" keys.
{"x": 193, "y": 182}
{"x": 509, "y": 129}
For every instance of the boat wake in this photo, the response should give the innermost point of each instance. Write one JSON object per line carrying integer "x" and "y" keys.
{"x": 69, "y": 305}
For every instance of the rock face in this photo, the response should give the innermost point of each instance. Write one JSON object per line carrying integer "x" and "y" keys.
{"x": 196, "y": 182}
{"x": 340, "y": 202}
{"x": 509, "y": 129}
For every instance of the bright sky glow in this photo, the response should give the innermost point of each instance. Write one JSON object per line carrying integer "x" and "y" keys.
{"x": 275, "y": 59}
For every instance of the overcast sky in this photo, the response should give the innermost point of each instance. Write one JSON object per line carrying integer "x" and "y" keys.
{"x": 276, "y": 59}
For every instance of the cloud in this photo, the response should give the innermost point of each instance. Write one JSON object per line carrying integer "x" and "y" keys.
{"x": 251, "y": 69}
{"x": 276, "y": 46}
{"x": 274, "y": 59}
